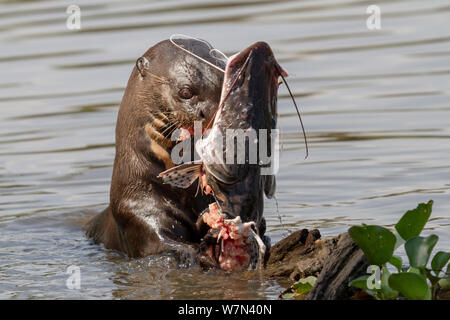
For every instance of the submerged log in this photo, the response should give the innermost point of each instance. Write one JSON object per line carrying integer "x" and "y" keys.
{"x": 335, "y": 261}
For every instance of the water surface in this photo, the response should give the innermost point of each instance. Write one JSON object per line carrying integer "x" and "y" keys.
{"x": 375, "y": 106}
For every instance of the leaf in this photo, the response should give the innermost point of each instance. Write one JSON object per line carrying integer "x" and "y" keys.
{"x": 288, "y": 296}
{"x": 444, "y": 283}
{"x": 439, "y": 261}
{"x": 385, "y": 275}
{"x": 412, "y": 286}
{"x": 398, "y": 240}
{"x": 414, "y": 270}
{"x": 304, "y": 286}
{"x": 387, "y": 293}
{"x": 419, "y": 249}
{"x": 376, "y": 242}
{"x": 397, "y": 262}
{"x": 360, "y": 282}
{"x": 311, "y": 280}
{"x": 433, "y": 279}
{"x": 413, "y": 221}
{"x": 373, "y": 293}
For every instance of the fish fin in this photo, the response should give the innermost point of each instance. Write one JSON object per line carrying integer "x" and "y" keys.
{"x": 182, "y": 176}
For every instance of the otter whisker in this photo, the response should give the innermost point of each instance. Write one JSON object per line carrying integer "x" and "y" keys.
{"x": 168, "y": 127}
{"x": 171, "y": 132}
{"x": 171, "y": 129}
{"x": 159, "y": 112}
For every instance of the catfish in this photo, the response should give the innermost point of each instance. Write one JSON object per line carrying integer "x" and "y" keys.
{"x": 231, "y": 167}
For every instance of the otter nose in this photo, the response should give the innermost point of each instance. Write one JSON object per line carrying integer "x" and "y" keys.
{"x": 205, "y": 111}
{"x": 201, "y": 113}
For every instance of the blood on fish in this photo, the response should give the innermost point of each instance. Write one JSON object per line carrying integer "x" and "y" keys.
{"x": 236, "y": 248}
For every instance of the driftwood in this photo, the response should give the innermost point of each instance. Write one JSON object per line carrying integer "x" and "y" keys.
{"x": 334, "y": 261}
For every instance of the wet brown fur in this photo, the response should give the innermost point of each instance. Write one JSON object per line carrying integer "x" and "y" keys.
{"x": 144, "y": 216}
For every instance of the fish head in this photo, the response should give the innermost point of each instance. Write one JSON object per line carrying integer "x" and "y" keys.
{"x": 244, "y": 123}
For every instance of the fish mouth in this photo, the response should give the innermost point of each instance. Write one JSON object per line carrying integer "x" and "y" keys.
{"x": 261, "y": 49}
{"x": 261, "y": 56}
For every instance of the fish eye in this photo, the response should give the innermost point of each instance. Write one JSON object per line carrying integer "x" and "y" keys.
{"x": 186, "y": 93}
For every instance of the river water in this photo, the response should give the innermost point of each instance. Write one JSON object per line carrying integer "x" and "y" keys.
{"x": 376, "y": 107}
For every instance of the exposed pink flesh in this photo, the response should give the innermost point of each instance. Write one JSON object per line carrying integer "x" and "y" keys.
{"x": 185, "y": 133}
{"x": 236, "y": 249}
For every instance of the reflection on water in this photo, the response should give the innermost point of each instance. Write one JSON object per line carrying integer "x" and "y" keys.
{"x": 375, "y": 106}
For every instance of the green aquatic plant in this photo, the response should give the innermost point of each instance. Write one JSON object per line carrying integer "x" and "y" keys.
{"x": 415, "y": 281}
{"x": 301, "y": 288}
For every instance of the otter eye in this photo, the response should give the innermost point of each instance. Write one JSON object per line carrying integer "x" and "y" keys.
{"x": 185, "y": 93}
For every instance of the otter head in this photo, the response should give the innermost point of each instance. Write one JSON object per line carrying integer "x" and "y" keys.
{"x": 171, "y": 87}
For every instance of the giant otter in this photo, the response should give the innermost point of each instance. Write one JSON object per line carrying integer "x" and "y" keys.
{"x": 168, "y": 89}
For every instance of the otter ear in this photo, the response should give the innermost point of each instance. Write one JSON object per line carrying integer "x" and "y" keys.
{"x": 142, "y": 64}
